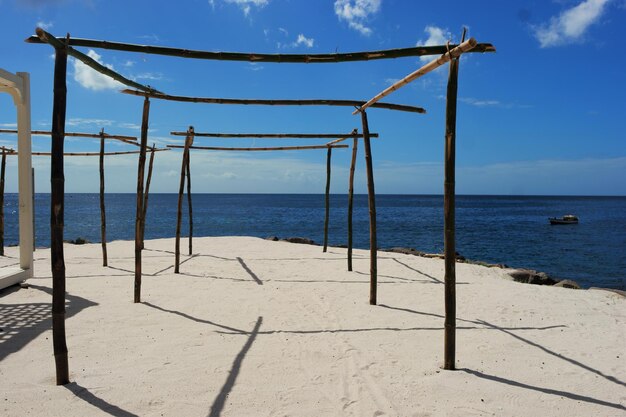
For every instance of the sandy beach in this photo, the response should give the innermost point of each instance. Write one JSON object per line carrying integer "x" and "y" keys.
{"x": 260, "y": 328}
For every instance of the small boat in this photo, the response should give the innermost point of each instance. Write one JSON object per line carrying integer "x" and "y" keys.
{"x": 567, "y": 219}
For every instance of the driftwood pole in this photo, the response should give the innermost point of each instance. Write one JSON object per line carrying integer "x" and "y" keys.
{"x": 189, "y": 202}
{"x": 449, "y": 219}
{"x": 57, "y": 189}
{"x": 2, "y": 171}
{"x": 103, "y": 216}
{"x": 139, "y": 214}
{"x": 181, "y": 189}
{"x": 145, "y": 196}
{"x": 327, "y": 215}
{"x": 351, "y": 200}
{"x": 371, "y": 198}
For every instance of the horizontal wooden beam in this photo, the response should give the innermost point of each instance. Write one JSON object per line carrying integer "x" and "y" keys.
{"x": 259, "y": 57}
{"x": 264, "y": 102}
{"x": 279, "y": 148}
{"x": 274, "y": 135}
{"x": 93, "y": 153}
{"x": 76, "y": 135}
{"x": 45, "y": 37}
{"x": 466, "y": 46}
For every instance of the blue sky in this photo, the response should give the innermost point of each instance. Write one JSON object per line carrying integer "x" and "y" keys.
{"x": 543, "y": 115}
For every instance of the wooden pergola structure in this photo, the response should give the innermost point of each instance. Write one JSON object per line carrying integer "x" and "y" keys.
{"x": 131, "y": 140}
{"x": 65, "y": 46}
{"x": 190, "y": 134}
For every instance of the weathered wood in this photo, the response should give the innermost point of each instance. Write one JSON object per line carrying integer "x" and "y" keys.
{"x": 139, "y": 214}
{"x": 449, "y": 219}
{"x": 342, "y": 136}
{"x": 371, "y": 199}
{"x": 327, "y": 194}
{"x": 103, "y": 216}
{"x": 90, "y": 62}
{"x": 312, "y": 102}
{"x": 57, "y": 196}
{"x": 145, "y": 197}
{"x": 431, "y": 66}
{"x": 351, "y": 200}
{"x": 278, "y": 148}
{"x": 181, "y": 189}
{"x": 2, "y": 171}
{"x": 259, "y": 57}
{"x": 189, "y": 205}
{"x": 76, "y": 135}
{"x": 91, "y": 153}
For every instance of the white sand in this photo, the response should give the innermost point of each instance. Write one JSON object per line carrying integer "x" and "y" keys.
{"x": 258, "y": 328}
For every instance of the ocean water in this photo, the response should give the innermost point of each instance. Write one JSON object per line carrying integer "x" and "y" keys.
{"x": 496, "y": 229}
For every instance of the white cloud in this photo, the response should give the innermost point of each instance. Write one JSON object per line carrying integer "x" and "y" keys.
{"x": 79, "y": 121}
{"x": 436, "y": 36}
{"x": 128, "y": 63}
{"x": 149, "y": 76}
{"x": 303, "y": 40}
{"x": 8, "y": 125}
{"x": 357, "y": 13}
{"x": 246, "y": 5}
{"x": 570, "y": 25}
{"x": 44, "y": 25}
{"x": 93, "y": 80}
{"x": 283, "y": 31}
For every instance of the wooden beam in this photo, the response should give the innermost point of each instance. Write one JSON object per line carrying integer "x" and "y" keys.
{"x": 279, "y": 148}
{"x": 449, "y": 219}
{"x": 145, "y": 196}
{"x": 181, "y": 190}
{"x": 90, "y": 153}
{"x": 431, "y": 66}
{"x": 260, "y": 57}
{"x": 351, "y": 199}
{"x": 327, "y": 200}
{"x": 262, "y": 102}
{"x": 57, "y": 197}
{"x": 189, "y": 205}
{"x": 76, "y": 135}
{"x": 103, "y": 216}
{"x": 90, "y": 62}
{"x": 341, "y": 136}
{"x": 139, "y": 213}
{"x": 371, "y": 198}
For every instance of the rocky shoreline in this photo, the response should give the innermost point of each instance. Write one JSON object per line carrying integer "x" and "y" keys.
{"x": 523, "y": 275}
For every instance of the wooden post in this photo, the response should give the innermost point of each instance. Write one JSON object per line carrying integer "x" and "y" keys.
{"x": 190, "y": 210}
{"x": 145, "y": 196}
{"x": 327, "y": 215}
{"x": 449, "y": 219}
{"x": 2, "y": 171}
{"x": 139, "y": 214}
{"x": 103, "y": 216}
{"x": 350, "y": 200}
{"x": 371, "y": 198}
{"x": 181, "y": 189}
{"x": 57, "y": 189}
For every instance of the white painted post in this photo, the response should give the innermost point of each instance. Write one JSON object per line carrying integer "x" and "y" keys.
{"x": 24, "y": 168}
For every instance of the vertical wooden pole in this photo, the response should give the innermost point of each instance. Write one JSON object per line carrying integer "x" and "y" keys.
{"x": 371, "y": 198}
{"x": 2, "y": 171}
{"x": 139, "y": 214}
{"x": 57, "y": 190}
{"x": 327, "y": 215}
{"x": 351, "y": 200}
{"x": 181, "y": 189}
{"x": 145, "y": 197}
{"x": 449, "y": 219}
{"x": 189, "y": 207}
{"x": 103, "y": 216}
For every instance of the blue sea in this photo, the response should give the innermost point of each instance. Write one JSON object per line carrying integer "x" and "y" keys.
{"x": 495, "y": 229}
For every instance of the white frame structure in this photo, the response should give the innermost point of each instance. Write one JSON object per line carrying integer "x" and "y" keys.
{"x": 18, "y": 86}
